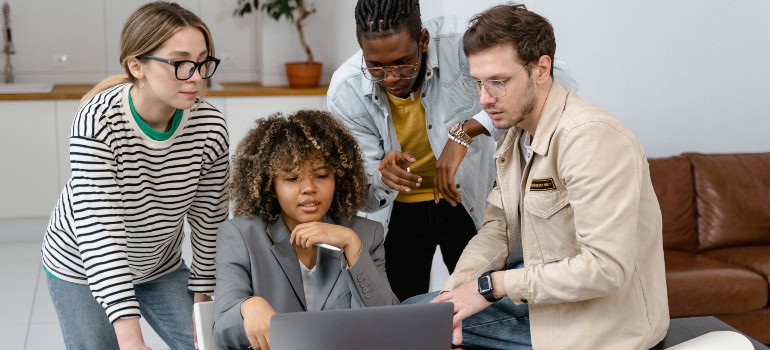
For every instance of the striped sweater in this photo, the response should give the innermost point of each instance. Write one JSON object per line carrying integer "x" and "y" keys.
{"x": 118, "y": 220}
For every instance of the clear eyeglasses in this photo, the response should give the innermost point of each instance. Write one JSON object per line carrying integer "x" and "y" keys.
{"x": 184, "y": 69}
{"x": 495, "y": 87}
{"x": 401, "y": 71}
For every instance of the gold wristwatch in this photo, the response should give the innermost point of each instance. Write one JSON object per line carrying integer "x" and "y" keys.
{"x": 457, "y": 134}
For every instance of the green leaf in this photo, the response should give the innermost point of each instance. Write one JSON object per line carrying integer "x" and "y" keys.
{"x": 243, "y": 8}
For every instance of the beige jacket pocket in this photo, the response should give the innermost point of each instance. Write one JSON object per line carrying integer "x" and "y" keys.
{"x": 551, "y": 223}
{"x": 545, "y": 204}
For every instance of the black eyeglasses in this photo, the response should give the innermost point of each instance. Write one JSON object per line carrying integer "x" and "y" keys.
{"x": 401, "y": 71}
{"x": 185, "y": 69}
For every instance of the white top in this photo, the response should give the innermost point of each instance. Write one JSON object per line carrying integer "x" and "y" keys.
{"x": 308, "y": 283}
{"x": 526, "y": 145}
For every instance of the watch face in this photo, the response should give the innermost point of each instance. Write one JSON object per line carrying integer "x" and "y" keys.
{"x": 455, "y": 128}
{"x": 484, "y": 284}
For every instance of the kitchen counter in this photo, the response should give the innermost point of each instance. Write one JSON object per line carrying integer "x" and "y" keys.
{"x": 76, "y": 91}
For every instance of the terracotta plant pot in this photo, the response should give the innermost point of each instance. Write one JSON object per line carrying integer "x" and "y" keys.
{"x": 303, "y": 74}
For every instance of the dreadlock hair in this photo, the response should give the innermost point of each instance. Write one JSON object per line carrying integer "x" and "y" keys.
{"x": 381, "y": 18}
{"x": 281, "y": 144}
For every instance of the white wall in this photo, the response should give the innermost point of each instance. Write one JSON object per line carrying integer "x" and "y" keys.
{"x": 684, "y": 75}
{"x": 87, "y": 32}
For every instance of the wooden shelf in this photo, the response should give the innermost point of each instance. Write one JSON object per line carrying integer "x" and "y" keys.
{"x": 247, "y": 89}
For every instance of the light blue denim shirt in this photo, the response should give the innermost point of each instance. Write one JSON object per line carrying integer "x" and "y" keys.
{"x": 362, "y": 106}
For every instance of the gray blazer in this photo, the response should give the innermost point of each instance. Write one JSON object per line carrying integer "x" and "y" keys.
{"x": 254, "y": 258}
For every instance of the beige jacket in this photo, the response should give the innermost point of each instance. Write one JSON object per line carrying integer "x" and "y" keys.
{"x": 588, "y": 223}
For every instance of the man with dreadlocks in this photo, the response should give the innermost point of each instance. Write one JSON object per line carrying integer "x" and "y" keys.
{"x": 405, "y": 98}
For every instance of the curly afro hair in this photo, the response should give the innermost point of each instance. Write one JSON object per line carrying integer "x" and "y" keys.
{"x": 281, "y": 144}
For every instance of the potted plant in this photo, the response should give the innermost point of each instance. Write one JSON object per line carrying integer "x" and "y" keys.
{"x": 299, "y": 74}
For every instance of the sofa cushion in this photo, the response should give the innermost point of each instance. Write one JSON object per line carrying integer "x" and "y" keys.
{"x": 699, "y": 285}
{"x": 733, "y": 199}
{"x": 672, "y": 180}
{"x": 755, "y": 324}
{"x": 755, "y": 258}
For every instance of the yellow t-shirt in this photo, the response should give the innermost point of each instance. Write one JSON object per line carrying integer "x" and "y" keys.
{"x": 409, "y": 120}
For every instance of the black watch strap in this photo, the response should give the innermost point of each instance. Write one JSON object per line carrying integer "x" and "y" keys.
{"x": 485, "y": 286}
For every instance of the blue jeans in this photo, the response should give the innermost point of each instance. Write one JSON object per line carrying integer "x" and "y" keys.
{"x": 165, "y": 303}
{"x": 503, "y": 325}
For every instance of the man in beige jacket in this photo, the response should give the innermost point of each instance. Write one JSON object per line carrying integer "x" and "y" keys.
{"x": 573, "y": 200}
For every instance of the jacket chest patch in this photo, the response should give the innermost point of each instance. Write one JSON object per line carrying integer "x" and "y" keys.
{"x": 542, "y": 185}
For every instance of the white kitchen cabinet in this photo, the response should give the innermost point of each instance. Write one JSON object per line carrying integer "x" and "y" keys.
{"x": 34, "y": 144}
{"x": 242, "y": 112}
{"x": 65, "y": 113}
{"x": 29, "y": 157}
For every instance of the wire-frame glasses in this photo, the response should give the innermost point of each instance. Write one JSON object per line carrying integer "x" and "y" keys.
{"x": 401, "y": 71}
{"x": 495, "y": 87}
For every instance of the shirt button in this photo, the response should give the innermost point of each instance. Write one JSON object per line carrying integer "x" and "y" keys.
{"x": 457, "y": 185}
{"x": 376, "y": 97}
{"x": 524, "y": 301}
{"x": 430, "y": 126}
{"x": 472, "y": 210}
{"x": 359, "y": 278}
{"x": 429, "y": 73}
{"x": 502, "y": 160}
{"x": 423, "y": 95}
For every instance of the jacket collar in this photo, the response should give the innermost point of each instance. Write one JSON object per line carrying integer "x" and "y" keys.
{"x": 327, "y": 261}
{"x": 510, "y": 139}
{"x": 554, "y": 106}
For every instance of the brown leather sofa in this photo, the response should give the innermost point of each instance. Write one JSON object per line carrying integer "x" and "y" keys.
{"x": 716, "y": 236}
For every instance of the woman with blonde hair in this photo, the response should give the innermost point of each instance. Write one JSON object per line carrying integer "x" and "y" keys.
{"x": 146, "y": 151}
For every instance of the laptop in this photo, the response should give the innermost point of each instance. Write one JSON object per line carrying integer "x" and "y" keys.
{"x": 405, "y": 327}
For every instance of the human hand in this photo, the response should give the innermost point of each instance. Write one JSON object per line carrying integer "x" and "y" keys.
{"x": 201, "y": 297}
{"x": 393, "y": 168}
{"x": 467, "y": 302}
{"x": 308, "y": 234}
{"x": 129, "y": 334}
{"x": 137, "y": 346}
{"x": 256, "y": 312}
{"x": 446, "y": 168}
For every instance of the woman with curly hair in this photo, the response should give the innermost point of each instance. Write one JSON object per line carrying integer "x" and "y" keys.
{"x": 295, "y": 244}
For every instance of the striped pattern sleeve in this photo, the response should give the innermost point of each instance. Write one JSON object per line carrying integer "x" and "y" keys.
{"x": 119, "y": 220}
{"x": 98, "y": 215}
{"x": 208, "y": 210}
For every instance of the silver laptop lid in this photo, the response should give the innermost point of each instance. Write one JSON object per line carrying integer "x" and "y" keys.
{"x": 405, "y": 327}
